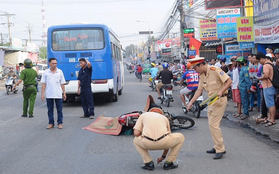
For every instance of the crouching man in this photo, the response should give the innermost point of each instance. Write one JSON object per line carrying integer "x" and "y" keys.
{"x": 152, "y": 132}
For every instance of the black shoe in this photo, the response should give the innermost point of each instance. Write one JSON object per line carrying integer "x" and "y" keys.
{"x": 24, "y": 115}
{"x": 219, "y": 155}
{"x": 31, "y": 116}
{"x": 168, "y": 166}
{"x": 148, "y": 166}
{"x": 211, "y": 151}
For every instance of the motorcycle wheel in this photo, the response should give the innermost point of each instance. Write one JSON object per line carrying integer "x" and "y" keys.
{"x": 168, "y": 102}
{"x": 183, "y": 122}
{"x": 8, "y": 89}
{"x": 197, "y": 112}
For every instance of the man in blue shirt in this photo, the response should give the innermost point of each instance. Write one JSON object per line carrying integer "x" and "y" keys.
{"x": 84, "y": 88}
{"x": 153, "y": 72}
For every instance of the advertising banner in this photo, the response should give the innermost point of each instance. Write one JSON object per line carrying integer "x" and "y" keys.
{"x": 235, "y": 50}
{"x": 245, "y": 29}
{"x": 213, "y": 4}
{"x": 226, "y": 22}
{"x": 246, "y": 45}
{"x": 266, "y": 12}
{"x": 267, "y": 34}
{"x": 208, "y": 30}
{"x": 168, "y": 43}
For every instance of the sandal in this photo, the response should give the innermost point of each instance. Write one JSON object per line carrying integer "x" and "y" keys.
{"x": 265, "y": 121}
{"x": 243, "y": 117}
{"x": 237, "y": 115}
{"x": 270, "y": 124}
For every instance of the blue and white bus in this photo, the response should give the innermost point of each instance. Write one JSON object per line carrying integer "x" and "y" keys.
{"x": 94, "y": 42}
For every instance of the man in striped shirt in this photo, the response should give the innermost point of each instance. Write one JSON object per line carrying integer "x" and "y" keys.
{"x": 192, "y": 80}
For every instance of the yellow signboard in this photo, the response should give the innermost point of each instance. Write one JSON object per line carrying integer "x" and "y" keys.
{"x": 208, "y": 30}
{"x": 245, "y": 29}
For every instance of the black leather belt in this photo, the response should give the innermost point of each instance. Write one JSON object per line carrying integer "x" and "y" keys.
{"x": 155, "y": 139}
{"x": 27, "y": 86}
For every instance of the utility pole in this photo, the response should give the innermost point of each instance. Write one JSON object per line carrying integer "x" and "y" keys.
{"x": 9, "y": 25}
{"x": 29, "y": 30}
{"x": 182, "y": 24}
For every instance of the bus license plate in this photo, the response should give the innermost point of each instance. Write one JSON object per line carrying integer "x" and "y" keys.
{"x": 169, "y": 92}
{"x": 72, "y": 59}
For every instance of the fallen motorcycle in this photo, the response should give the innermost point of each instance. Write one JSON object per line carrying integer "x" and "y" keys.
{"x": 182, "y": 122}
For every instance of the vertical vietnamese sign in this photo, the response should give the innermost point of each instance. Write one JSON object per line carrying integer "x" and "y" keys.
{"x": 226, "y": 22}
{"x": 208, "y": 30}
{"x": 245, "y": 29}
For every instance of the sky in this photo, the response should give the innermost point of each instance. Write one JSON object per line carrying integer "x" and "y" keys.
{"x": 120, "y": 15}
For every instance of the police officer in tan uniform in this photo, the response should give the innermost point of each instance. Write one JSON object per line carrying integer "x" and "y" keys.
{"x": 152, "y": 132}
{"x": 213, "y": 80}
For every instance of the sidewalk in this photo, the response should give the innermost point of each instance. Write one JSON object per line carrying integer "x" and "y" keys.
{"x": 271, "y": 132}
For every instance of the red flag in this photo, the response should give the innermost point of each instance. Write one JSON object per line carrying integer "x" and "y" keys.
{"x": 194, "y": 47}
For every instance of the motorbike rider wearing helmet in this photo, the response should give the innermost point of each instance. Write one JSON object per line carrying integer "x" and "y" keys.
{"x": 244, "y": 86}
{"x": 11, "y": 73}
{"x": 223, "y": 64}
{"x": 28, "y": 76}
{"x": 166, "y": 78}
{"x": 276, "y": 53}
{"x": 153, "y": 72}
{"x": 192, "y": 79}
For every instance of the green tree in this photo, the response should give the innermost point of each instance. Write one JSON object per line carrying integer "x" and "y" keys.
{"x": 130, "y": 50}
{"x": 43, "y": 53}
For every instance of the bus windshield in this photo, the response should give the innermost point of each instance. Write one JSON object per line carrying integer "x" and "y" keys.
{"x": 77, "y": 39}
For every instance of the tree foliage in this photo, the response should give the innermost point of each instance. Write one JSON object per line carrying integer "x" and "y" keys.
{"x": 43, "y": 53}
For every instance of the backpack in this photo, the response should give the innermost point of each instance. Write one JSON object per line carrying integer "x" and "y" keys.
{"x": 275, "y": 79}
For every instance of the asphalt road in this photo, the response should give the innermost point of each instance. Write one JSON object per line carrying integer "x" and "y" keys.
{"x": 27, "y": 147}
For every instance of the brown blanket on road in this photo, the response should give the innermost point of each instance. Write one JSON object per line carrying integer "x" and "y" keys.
{"x": 105, "y": 125}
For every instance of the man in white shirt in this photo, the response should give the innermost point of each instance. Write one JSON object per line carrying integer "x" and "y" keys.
{"x": 52, "y": 89}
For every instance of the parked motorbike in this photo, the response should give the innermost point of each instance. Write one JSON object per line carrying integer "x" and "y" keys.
{"x": 182, "y": 122}
{"x": 9, "y": 85}
{"x": 166, "y": 94}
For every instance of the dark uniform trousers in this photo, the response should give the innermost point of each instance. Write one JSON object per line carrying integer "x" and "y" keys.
{"x": 29, "y": 97}
{"x": 87, "y": 102}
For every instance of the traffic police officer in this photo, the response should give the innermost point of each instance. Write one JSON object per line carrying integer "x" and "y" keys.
{"x": 213, "y": 80}
{"x": 28, "y": 76}
{"x": 84, "y": 88}
{"x": 152, "y": 132}
{"x": 244, "y": 86}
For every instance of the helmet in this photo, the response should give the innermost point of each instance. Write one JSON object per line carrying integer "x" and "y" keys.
{"x": 189, "y": 65}
{"x": 240, "y": 60}
{"x": 153, "y": 64}
{"x": 28, "y": 63}
{"x": 165, "y": 65}
{"x": 158, "y": 110}
{"x": 253, "y": 89}
{"x": 223, "y": 59}
{"x": 276, "y": 51}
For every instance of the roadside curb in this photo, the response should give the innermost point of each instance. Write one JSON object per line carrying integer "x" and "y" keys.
{"x": 248, "y": 123}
